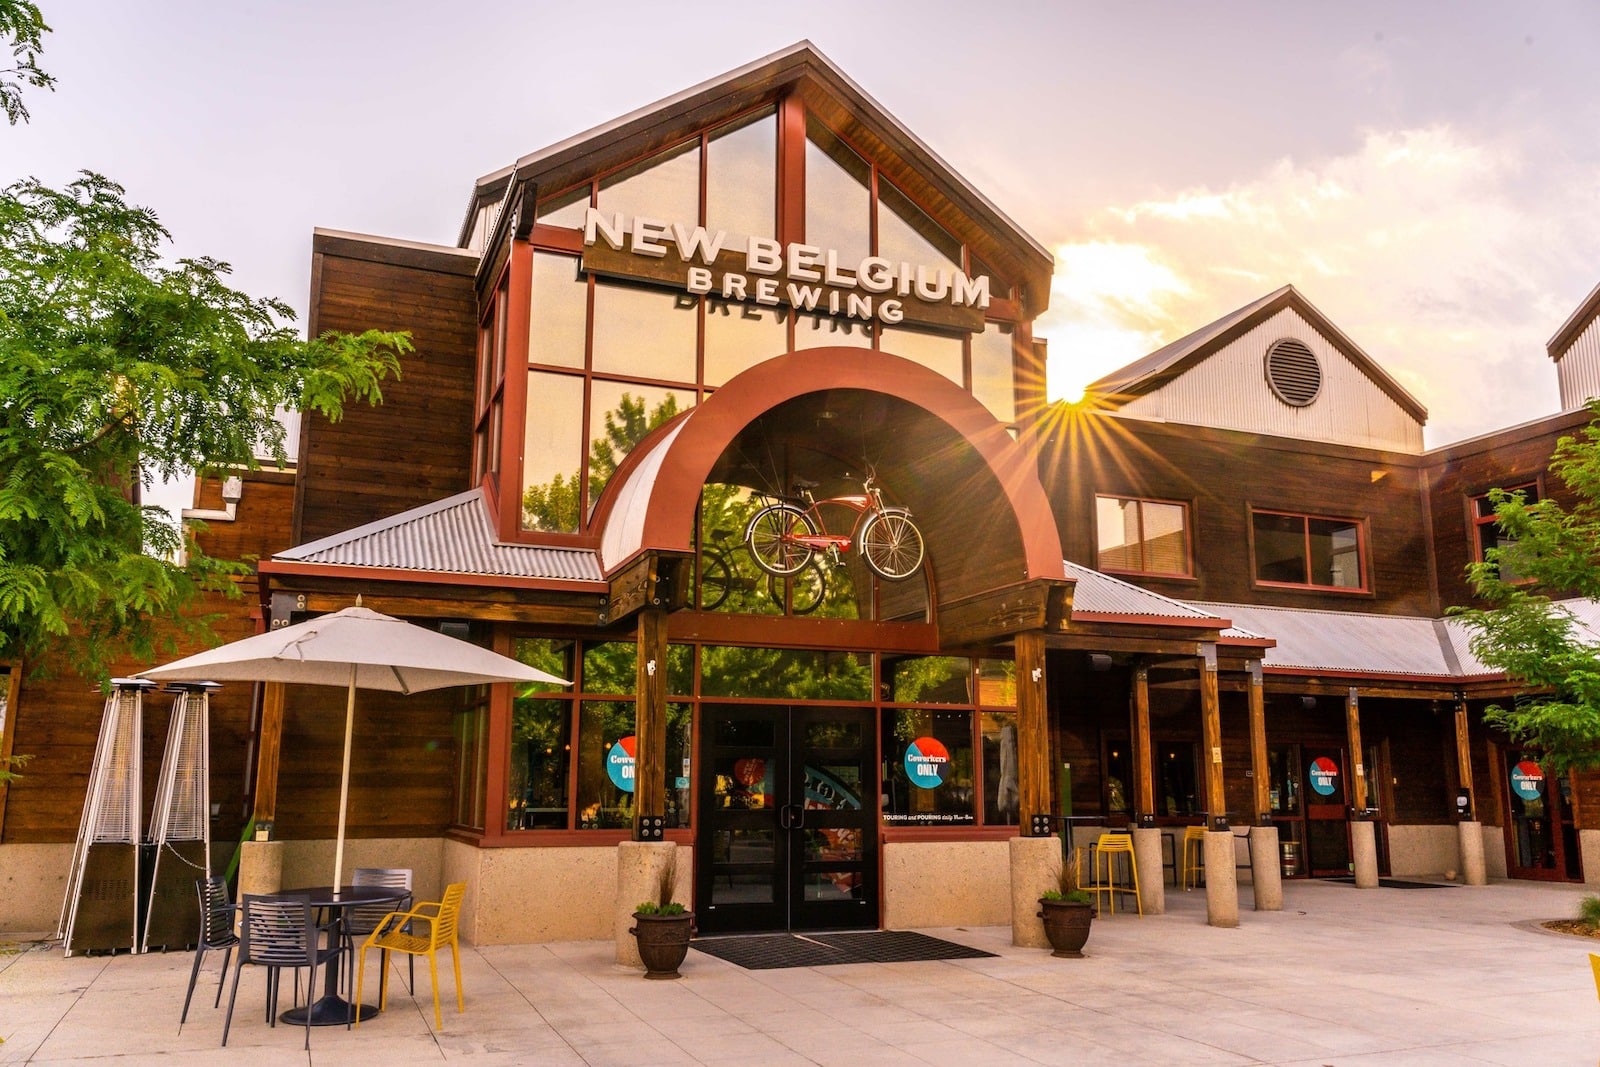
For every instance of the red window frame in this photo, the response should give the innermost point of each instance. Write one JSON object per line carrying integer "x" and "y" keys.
{"x": 1188, "y": 537}
{"x": 1480, "y": 520}
{"x": 1306, "y": 519}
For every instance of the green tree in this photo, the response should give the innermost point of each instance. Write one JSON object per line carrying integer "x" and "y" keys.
{"x": 23, "y": 26}
{"x": 118, "y": 369}
{"x": 1547, "y": 551}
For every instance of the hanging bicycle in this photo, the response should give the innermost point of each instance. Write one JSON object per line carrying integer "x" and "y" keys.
{"x": 719, "y": 576}
{"x": 785, "y": 535}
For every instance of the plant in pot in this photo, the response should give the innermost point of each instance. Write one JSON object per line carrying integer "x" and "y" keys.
{"x": 1067, "y": 912}
{"x": 662, "y": 928}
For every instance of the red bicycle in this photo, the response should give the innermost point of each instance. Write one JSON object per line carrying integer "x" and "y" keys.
{"x": 784, "y": 535}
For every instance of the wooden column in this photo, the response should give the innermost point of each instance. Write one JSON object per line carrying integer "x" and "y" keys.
{"x": 1464, "y": 758}
{"x": 1259, "y": 770}
{"x": 11, "y": 682}
{"x": 650, "y": 724}
{"x": 1211, "y": 734}
{"x": 1033, "y": 730}
{"x": 1144, "y": 782}
{"x": 268, "y": 746}
{"x": 1358, "y": 770}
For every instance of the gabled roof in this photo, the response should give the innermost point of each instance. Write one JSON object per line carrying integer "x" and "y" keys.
{"x": 450, "y": 536}
{"x": 825, "y": 88}
{"x": 1358, "y": 643}
{"x": 1576, "y": 323}
{"x": 1164, "y": 364}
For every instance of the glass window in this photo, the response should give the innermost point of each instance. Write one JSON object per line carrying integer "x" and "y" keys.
{"x": 541, "y": 746}
{"x": 997, "y": 683}
{"x": 941, "y": 352}
{"x": 1142, "y": 536}
{"x": 1001, "y": 799}
{"x": 784, "y": 673}
{"x": 742, "y": 179}
{"x": 472, "y": 756}
{"x": 838, "y": 196}
{"x": 644, "y": 331}
{"x": 560, "y": 311}
{"x": 1177, "y": 793}
{"x": 1300, "y": 550}
{"x": 1486, "y": 527}
{"x": 610, "y": 666}
{"x": 997, "y": 288}
{"x": 1117, "y": 777}
{"x": 823, "y": 331}
{"x": 552, "y": 458}
{"x": 605, "y": 764}
{"x": 738, "y": 336}
{"x": 928, "y": 679}
{"x": 665, "y": 187}
{"x": 907, "y": 235}
{"x": 566, "y": 209}
{"x": 623, "y": 415}
{"x": 928, "y": 756}
{"x": 993, "y": 373}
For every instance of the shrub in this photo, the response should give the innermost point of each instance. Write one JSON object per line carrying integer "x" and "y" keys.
{"x": 1589, "y": 910}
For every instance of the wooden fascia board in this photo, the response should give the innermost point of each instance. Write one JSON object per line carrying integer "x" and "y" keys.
{"x": 282, "y": 569}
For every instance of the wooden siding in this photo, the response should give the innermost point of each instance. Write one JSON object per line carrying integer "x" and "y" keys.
{"x": 416, "y": 447}
{"x": 1222, "y": 475}
{"x": 1578, "y": 368}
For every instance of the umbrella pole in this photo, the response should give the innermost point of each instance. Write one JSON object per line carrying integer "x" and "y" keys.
{"x": 344, "y": 779}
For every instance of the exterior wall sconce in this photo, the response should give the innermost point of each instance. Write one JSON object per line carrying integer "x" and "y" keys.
{"x": 650, "y": 668}
{"x": 1038, "y": 673}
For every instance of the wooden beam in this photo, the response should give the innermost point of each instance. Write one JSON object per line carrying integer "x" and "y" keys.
{"x": 650, "y": 723}
{"x": 570, "y": 610}
{"x": 1298, "y": 685}
{"x": 1211, "y": 733}
{"x": 1144, "y": 782}
{"x": 1039, "y": 605}
{"x": 1259, "y": 770}
{"x": 651, "y": 581}
{"x": 1358, "y": 770}
{"x": 1150, "y": 646}
{"x": 1464, "y": 757}
{"x": 269, "y": 745}
{"x": 1033, "y": 728}
{"x": 8, "y": 729}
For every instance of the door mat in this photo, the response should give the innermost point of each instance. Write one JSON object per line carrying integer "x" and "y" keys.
{"x": 765, "y": 952}
{"x": 1391, "y": 883}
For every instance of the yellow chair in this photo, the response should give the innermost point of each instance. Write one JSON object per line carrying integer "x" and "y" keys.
{"x": 1194, "y": 857}
{"x": 1106, "y": 869}
{"x": 442, "y": 918}
{"x": 1594, "y": 962}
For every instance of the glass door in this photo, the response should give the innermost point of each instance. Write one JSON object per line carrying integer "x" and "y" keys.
{"x": 788, "y": 816}
{"x": 1536, "y": 841}
{"x": 1284, "y": 793}
{"x": 1327, "y": 821}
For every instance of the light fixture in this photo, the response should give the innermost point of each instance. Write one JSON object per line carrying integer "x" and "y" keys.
{"x": 1038, "y": 673}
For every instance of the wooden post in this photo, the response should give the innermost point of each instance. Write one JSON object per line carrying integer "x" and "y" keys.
{"x": 268, "y": 747}
{"x": 1259, "y": 770}
{"x": 1033, "y": 730}
{"x": 1464, "y": 758}
{"x": 1211, "y": 733}
{"x": 1144, "y": 782}
{"x": 1358, "y": 770}
{"x": 650, "y": 724}
{"x": 11, "y": 682}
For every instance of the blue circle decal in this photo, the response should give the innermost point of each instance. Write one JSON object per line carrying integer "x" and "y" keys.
{"x": 1527, "y": 780}
{"x": 1324, "y": 775}
{"x": 927, "y": 762}
{"x": 619, "y": 764}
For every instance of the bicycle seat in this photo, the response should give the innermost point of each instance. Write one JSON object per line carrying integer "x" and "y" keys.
{"x": 802, "y": 484}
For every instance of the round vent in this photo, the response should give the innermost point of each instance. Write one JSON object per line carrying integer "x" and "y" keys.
{"x": 1293, "y": 372}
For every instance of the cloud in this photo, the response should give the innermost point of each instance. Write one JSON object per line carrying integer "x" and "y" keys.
{"x": 1449, "y": 260}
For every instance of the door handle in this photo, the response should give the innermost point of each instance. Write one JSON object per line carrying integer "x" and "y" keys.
{"x": 792, "y": 817}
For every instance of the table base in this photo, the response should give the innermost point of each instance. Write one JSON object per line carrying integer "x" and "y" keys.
{"x": 329, "y": 1011}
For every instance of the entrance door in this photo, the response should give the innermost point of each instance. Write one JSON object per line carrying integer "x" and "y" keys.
{"x": 1327, "y": 822}
{"x": 788, "y": 819}
{"x": 1536, "y": 832}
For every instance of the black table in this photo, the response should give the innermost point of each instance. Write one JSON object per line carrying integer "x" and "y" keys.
{"x": 332, "y": 1009}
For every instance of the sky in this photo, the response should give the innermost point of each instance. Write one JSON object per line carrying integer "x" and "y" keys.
{"x": 1426, "y": 173}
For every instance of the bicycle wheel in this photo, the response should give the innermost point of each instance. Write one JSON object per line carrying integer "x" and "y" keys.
{"x": 806, "y": 590}
{"x": 770, "y": 539}
{"x": 892, "y": 545}
{"x": 716, "y": 578}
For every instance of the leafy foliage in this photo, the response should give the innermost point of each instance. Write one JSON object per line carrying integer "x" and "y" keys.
{"x": 1589, "y": 910}
{"x": 1552, "y": 551}
{"x": 23, "y": 26}
{"x": 117, "y": 369}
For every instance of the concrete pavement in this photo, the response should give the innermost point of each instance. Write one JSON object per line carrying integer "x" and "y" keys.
{"x": 1340, "y": 977}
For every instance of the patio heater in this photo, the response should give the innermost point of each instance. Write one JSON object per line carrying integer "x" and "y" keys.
{"x": 179, "y": 842}
{"x": 100, "y": 912}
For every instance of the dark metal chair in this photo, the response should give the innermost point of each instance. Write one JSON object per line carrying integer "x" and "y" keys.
{"x": 362, "y": 919}
{"x": 217, "y": 915}
{"x": 279, "y": 932}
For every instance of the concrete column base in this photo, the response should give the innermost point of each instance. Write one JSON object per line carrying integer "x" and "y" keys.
{"x": 1473, "y": 869}
{"x": 1266, "y": 871}
{"x": 1222, "y": 880}
{"x": 260, "y": 869}
{"x": 640, "y": 867}
{"x": 1364, "y": 853}
{"x": 1035, "y": 862}
{"x": 1152, "y": 878}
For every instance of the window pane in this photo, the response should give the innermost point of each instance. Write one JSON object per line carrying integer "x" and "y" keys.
{"x": 742, "y": 179}
{"x": 1175, "y": 767}
{"x": 623, "y": 415}
{"x": 677, "y": 767}
{"x": 824, "y": 331}
{"x": 993, "y": 377}
{"x": 1001, "y": 799}
{"x": 790, "y": 674}
{"x": 940, "y": 352}
{"x": 928, "y": 679}
{"x": 907, "y": 235}
{"x": 997, "y": 683}
{"x": 644, "y": 331}
{"x": 610, "y": 666}
{"x": 665, "y": 187}
{"x": 1117, "y": 523}
{"x": 838, "y": 200}
{"x": 554, "y": 656}
{"x": 564, "y": 210}
{"x": 1166, "y": 548}
{"x": 929, "y": 759}
{"x": 738, "y": 336}
{"x": 559, "y": 313}
{"x": 541, "y": 746}
{"x": 552, "y": 457}
{"x": 997, "y": 288}
{"x": 1335, "y": 553}
{"x": 605, "y": 765}
{"x": 1280, "y": 548}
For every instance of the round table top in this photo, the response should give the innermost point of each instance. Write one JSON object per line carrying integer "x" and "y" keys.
{"x": 327, "y": 896}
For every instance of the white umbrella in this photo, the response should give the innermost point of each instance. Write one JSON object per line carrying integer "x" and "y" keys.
{"x": 357, "y": 648}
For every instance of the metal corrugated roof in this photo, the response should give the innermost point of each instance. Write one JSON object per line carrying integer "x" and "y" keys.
{"x": 1098, "y": 593}
{"x": 1359, "y": 642}
{"x": 454, "y": 536}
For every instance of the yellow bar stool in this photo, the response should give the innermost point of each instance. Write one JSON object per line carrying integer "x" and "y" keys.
{"x": 1194, "y": 865}
{"x": 1107, "y": 867}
